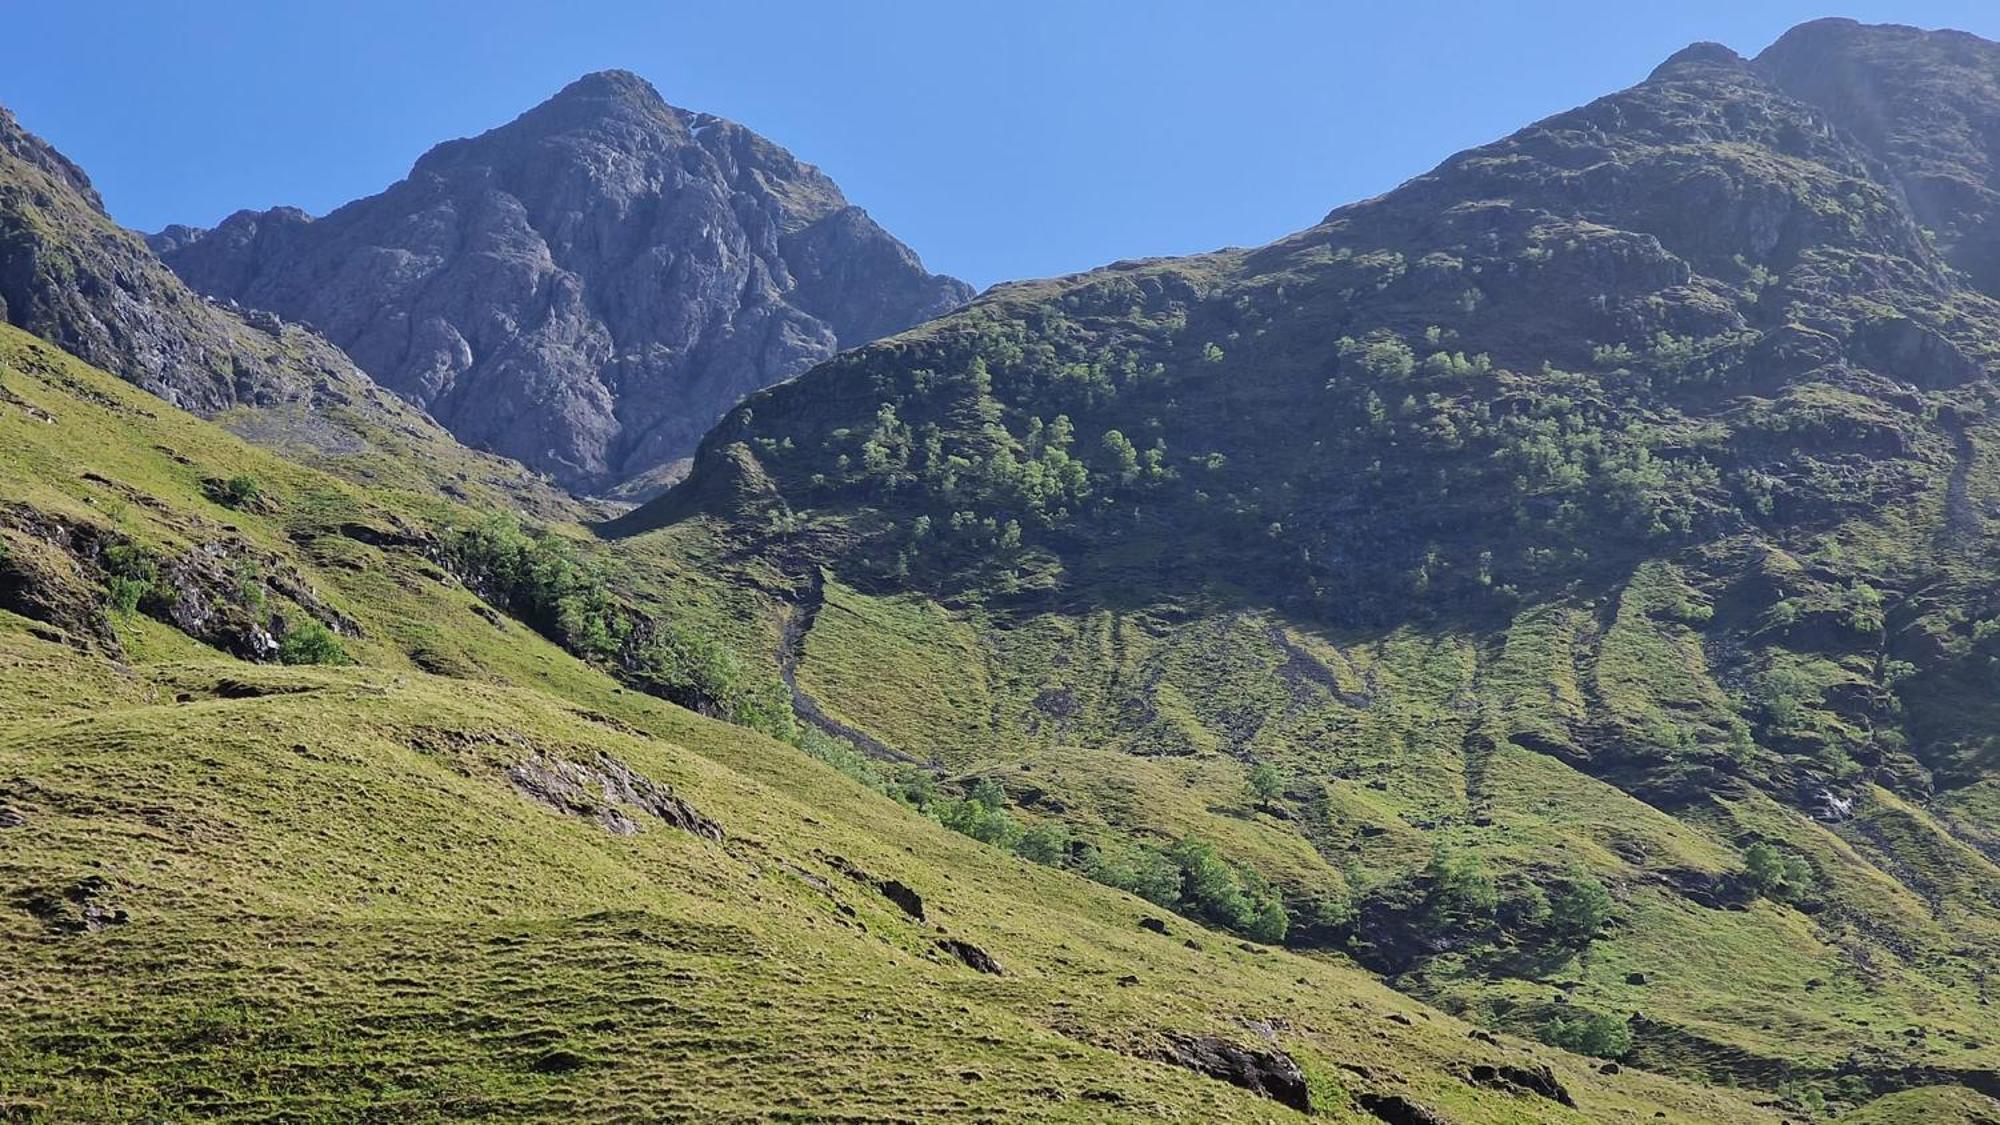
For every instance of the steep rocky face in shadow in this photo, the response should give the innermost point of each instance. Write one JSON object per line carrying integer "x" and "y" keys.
{"x": 1924, "y": 103}
{"x": 587, "y": 288}
{"x": 71, "y": 276}
{"x": 75, "y": 278}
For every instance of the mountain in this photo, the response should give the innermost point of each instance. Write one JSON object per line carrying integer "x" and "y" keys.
{"x": 1608, "y": 509}
{"x": 587, "y": 288}
{"x": 299, "y": 821}
{"x": 71, "y": 275}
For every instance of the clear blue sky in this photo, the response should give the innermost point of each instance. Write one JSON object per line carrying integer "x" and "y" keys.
{"x": 1000, "y": 140}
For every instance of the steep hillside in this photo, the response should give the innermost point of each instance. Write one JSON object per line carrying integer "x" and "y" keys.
{"x": 1605, "y": 512}
{"x": 431, "y": 866}
{"x": 71, "y": 275}
{"x": 587, "y": 288}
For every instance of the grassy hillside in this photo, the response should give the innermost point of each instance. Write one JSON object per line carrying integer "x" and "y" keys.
{"x": 1563, "y": 582}
{"x": 462, "y": 874}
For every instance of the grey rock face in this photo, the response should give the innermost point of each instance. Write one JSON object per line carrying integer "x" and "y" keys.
{"x": 587, "y": 288}
{"x": 71, "y": 276}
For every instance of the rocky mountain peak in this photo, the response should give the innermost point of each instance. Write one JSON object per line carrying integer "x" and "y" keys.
{"x": 613, "y": 85}
{"x": 1697, "y": 60}
{"x": 30, "y": 149}
{"x": 1926, "y": 105}
{"x": 614, "y": 108}
{"x": 587, "y": 287}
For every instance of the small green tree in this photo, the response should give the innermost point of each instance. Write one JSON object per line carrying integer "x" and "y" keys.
{"x": 1774, "y": 874}
{"x": 988, "y": 824}
{"x": 1267, "y": 782}
{"x": 1461, "y": 895}
{"x": 1209, "y": 884}
{"x": 1268, "y": 922}
{"x": 916, "y": 787}
{"x": 310, "y": 643}
{"x": 989, "y": 793}
{"x": 133, "y": 575}
{"x": 1124, "y": 458}
{"x": 1134, "y": 869}
{"x": 1589, "y": 1033}
{"x": 1044, "y": 842}
{"x": 1264, "y": 917}
{"x": 1579, "y": 906}
{"x": 1389, "y": 360}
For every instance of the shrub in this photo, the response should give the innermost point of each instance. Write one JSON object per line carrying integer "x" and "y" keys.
{"x": 988, "y": 792}
{"x": 1233, "y": 898}
{"x": 1135, "y": 870}
{"x": 239, "y": 491}
{"x": 1046, "y": 842}
{"x": 1461, "y": 896}
{"x": 125, "y": 594}
{"x": 1776, "y": 875}
{"x": 845, "y": 758}
{"x": 310, "y": 643}
{"x": 133, "y": 574}
{"x": 1589, "y": 1033}
{"x": 1267, "y": 783}
{"x": 986, "y": 823}
{"x": 1579, "y": 906}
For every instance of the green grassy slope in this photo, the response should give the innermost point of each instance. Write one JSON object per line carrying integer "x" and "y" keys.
{"x": 1144, "y": 727}
{"x": 243, "y": 891}
{"x": 1612, "y": 504}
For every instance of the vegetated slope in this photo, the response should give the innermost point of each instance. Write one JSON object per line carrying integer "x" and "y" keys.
{"x": 436, "y": 867}
{"x": 587, "y": 288}
{"x": 1609, "y": 506}
{"x": 71, "y": 275}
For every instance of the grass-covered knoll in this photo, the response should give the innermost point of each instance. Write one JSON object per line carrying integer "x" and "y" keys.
{"x": 459, "y": 872}
{"x": 1608, "y": 508}
{"x": 1930, "y": 1105}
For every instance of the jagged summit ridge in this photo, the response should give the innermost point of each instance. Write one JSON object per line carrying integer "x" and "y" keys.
{"x": 584, "y": 288}
{"x": 1695, "y": 55}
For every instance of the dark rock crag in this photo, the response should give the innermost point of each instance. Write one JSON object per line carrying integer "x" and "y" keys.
{"x": 1270, "y": 1073}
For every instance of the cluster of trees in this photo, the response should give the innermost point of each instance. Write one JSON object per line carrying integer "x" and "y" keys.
{"x": 1461, "y": 898}
{"x": 1589, "y": 1033}
{"x": 683, "y": 664}
{"x": 1189, "y": 876}
{"x": 1571, "y": 453}
{"x": 1778, "y": 876}
{"x": 538, "y": 578}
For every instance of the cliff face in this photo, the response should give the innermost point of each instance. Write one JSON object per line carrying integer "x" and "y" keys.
{"x": 587, "y": 288}
{"x": 1924, "y": 103}
{"x": 72, "y": 276}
